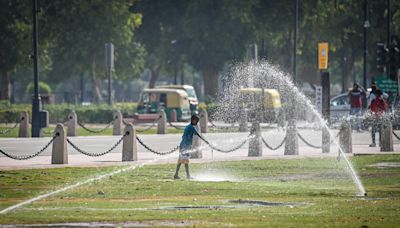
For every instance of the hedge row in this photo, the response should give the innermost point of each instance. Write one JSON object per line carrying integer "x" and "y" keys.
{"x": 101, "y": 113}
{"x": 96, "y": 113}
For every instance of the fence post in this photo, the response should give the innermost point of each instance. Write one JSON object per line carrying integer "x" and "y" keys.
{"x": 292, "y": 141}
{"x": 174, "y": 116}
{"x": 326, "y": 138}
{"x": 24, "y": 125}
{"x": 117, "y": 123}
{"x": 255, "y": 143}
{"x": 162, "y": 123}
{"x": 72, "y": 124}
{"x": 204, "y": 121}
{"x": 386, "y": 137}
{"x": 129, "y": 147}
{"x": 243, "y": 121}
{"x": 345, "y": 141}
{"x": 59, "y": 154}
{"x": 196, "y": 144}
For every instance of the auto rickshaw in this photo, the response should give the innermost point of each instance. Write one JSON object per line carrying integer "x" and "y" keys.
{"x": 261, "y": 104}
{"x": 193, "y": 101}
{"x": 152, "y": 100}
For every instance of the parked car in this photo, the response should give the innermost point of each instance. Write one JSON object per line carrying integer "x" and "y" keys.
{"x": 340, "y": 107}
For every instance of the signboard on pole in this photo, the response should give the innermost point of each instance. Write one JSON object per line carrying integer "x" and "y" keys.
{"x": 323, "y": 56}
{"x": 109, "y": 55}
{"x": 386, "y": 84}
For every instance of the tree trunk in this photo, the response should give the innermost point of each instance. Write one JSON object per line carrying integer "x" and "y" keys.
{"x": 95, "y": 83}
{"x": 210, "y": 79}
{"x": 347, "y": 69}
{"x": 155, "y": 73}
{"x": 4, "y": 85}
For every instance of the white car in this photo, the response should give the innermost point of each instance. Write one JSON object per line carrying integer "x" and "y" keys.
{"x": 340, "y": 107}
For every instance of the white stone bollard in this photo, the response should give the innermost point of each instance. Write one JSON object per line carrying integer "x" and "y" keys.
{"x": 162, "y": 123}
{"x": 197, "y": 144}
{"x": 24, "y": 125}
{"x": 59, "y": 154}
{"x": 326, "y": 138}
{"x": 386, "y": 137}
{"x": 255, "y": 143}
{"x": 72, "y": 124}
{"x": 117, "y": 123}
{"x": 345, "y": 140}
{"x": 129, "y": 146}
{"x": 204, "y": 121}
{"x": 292, "y": 141}
{"x": 174, "y": 116}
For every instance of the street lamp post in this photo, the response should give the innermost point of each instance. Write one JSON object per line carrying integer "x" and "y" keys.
{"x": 36, "y": 103}
{"x": 366, "y": 26}
{"x": 296, "y": 9}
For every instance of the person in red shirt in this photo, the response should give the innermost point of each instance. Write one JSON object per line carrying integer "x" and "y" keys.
{"x": 355, "y": 99}
{"x": 378, "y": 108}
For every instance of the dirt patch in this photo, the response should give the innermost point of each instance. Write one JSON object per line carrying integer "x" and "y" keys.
{"x": 265, "y": 203}
{"x": 383, "y": 165}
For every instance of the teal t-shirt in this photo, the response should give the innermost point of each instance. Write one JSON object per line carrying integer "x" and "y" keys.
{"x": 187, "y": 137}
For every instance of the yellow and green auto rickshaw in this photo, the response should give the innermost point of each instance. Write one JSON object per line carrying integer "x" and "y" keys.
{"x": 193, "y": 101}
{"x": 261, "y": 104}
{"x": 152, "y": 100}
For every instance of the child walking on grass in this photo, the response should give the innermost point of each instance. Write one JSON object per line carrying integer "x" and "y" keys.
{"x": 185, "y": 146}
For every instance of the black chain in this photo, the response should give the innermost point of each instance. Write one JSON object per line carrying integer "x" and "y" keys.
{"x": 273, "y": 148}
{"x": 95, "y": 131}
{"x": 221, "y": 127}
{"x": 314, "y": 146}
{"x": 395, "y": 135}
{"x": 3, "y": 132}
{"x": 222, "y": 150}
{"x": 176, "y": 127}
{"x": 149, "y": 127}
{"x": 99, "y": 154}
{"x": 26, "y": 157}
{"x": 154, "y": 151}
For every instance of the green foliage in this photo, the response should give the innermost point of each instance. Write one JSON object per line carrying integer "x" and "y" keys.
{"x": 44, "y": 88}
{"x": 101, "y": 113}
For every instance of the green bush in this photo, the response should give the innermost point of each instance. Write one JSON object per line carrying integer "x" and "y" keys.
{"x": 97, "y": 113}
{"x": 44, "y": 88}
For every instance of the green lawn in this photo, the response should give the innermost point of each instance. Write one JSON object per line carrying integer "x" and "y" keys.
{"x": 47, "y": 132}
{"x": 321, "y": 192}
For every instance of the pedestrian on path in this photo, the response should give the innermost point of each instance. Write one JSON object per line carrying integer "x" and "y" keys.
{"x": 186, "y": 145}
{"x": 378, "y": 108}
{"x": 355, "y": 99}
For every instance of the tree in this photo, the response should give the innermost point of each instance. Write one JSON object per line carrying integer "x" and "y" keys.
{"x": 81, "y": 28}
{"x": 15, "y": 44}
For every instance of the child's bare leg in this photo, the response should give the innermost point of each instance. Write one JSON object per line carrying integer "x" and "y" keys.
{"x": 187, "y": 171}
{"x": 177, "y": 171}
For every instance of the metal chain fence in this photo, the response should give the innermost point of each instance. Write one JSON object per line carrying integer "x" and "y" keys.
{"x": 222, "y": 150}
{"x": 6, "y": 131}
{"x": 314, "y": 146}
{"x": 395, "y": 135}
{"x": 97, "y": 154}
{"x": 176, "y": 127}
{"x": 273, "y": 148}
{"x": 95, "y": 131}
{"x": 26, "y": 157}
{"x": 154, "y": 151}
{"x": 149, "y": 127}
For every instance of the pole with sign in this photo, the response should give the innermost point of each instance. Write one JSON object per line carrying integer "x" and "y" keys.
{"x": 109, "y": 65}
{"x": 325, "y": 83}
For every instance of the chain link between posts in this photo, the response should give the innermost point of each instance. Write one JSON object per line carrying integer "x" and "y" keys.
{"x": 314, "y": 146}
{"x": 147, "y": 128}
{"x": 228, "y": 150}
{"x": 97, "y": 154}
{"x": 6, "y": 131}
{"x": 95, "y": 131}
{"x": 273, "y": 148}
{"x": 26, "y": 157}
{"x": 154, "y": 151}
{"x": 395, "y": 135}
{"x": 176, "y": 127}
